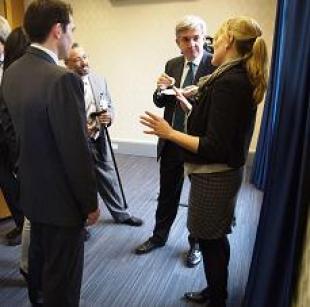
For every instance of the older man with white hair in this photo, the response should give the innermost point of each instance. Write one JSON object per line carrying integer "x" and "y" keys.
{"x": 181, "y": 71}
{"x": 5, "y": 30}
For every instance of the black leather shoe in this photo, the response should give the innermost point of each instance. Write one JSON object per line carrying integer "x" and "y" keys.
{"x": 14, "y": 237}
{"x": 14, "y": 233}
{"x": 24, "y": 274}
{"x": 36, "y": 297}
{"x": 217, "y": 303}
{"x": 193, "y": 257}
{"x": 198, "y": 297}
{"x": 132, "y": 221}
{"x": 147, "y": 247}
{"x": 86, "y": 234}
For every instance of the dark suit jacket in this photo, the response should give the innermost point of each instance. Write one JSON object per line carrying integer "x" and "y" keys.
{"x": 56, "y": 173}
{"x": 8, "y": 142}
{"x": 224, "y": 119}
{"x": 174, "y": 68}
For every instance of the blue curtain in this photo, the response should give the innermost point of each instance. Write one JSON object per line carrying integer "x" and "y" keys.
{"x": 270, "y": 115}
{"x": 286, "y": 199}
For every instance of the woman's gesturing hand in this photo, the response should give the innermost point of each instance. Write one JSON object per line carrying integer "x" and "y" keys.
{"x": 158, "y": 125}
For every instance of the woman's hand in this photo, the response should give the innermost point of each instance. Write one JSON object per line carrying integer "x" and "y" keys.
{"x": 185, "y": 105}
{"x": 158, "y": 125}
{"x": 190, "y": 91}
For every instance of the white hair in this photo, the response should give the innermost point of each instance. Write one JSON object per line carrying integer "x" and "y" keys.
{"x": 5, "y": 29}
{"x": 191, "y": 22}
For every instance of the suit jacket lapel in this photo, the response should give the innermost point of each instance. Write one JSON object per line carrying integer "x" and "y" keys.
{"x": 204, "y": 67}
{"x": 179, "y": 71}
{"x": 95, "y": 89}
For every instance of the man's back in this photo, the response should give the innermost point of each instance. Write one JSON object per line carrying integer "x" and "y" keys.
{"x": 54, "y": 163}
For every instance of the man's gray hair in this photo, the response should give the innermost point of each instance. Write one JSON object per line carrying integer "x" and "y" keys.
{"x": 191, "y": 22}
{"x": 5, "y": 29}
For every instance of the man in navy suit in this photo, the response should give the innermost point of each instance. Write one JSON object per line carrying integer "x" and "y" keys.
{"x": 181, "y": 71}
{"x": 57, "y": 181}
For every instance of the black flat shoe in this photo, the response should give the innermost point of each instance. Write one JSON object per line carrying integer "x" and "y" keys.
{"x": 198, "y": 297}
{"x": 147, "y": 247}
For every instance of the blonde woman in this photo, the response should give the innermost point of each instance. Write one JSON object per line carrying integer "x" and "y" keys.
{"x": 219, "y": 130}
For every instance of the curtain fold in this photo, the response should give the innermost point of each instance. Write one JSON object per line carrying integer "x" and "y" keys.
{"x": 271, "y": 107}
{"x": 286, "y": 199}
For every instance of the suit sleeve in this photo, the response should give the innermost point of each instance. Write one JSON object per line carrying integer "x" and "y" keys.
{"x": 68, "y": 122}
{"x": 225, "y": 117}
{"x": 109, "y": 100}
{"x": 161, "y": 100}
{"x": 8, "y": 139}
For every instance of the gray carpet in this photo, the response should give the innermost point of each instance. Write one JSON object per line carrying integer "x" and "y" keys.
{"x": 114, "y": 276}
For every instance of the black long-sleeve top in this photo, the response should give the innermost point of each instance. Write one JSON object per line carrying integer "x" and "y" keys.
{"x": 224, "y": 117}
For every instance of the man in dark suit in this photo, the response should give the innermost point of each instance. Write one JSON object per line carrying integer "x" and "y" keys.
{"x": 57, "y": 181}
{"x": 180, "y": 72}
{"x": 97, "y": 97}
{"x": 8, "y": 182}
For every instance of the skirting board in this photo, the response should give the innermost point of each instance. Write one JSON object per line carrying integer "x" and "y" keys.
{"x": 148, "y": 149}
{"x": 133, "y": 147}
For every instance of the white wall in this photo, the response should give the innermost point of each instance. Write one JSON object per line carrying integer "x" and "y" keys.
{"x": 129, "y": 41}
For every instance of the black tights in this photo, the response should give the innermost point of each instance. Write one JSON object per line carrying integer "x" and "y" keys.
{"x": 216, "y": 254}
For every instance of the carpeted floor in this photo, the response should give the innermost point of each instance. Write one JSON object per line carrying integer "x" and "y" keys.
{"x": 114, "y": 276}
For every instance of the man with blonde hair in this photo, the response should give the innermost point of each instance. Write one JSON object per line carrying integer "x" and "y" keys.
{"x": 181, "y": 71}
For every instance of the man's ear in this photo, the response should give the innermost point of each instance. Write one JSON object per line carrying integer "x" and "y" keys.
{"x": 57, "y": 30}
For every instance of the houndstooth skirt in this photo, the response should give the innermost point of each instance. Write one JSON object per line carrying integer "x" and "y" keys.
{"x": 212, "y": 202}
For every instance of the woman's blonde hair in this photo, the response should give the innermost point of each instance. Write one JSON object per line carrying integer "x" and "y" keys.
{"x": 247, "y": 33}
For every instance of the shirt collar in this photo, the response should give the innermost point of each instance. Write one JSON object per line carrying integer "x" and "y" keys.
{"x": 196, "y": 61}
{"x": 52, "y": 54}
{"x": 85, "y": 79}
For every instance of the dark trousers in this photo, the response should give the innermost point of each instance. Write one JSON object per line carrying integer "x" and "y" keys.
{"x": 56, "y": 257}
{"x": 216, "y": 254}
{"x": 171, "y": 183}
{"x": 10, "y": 188}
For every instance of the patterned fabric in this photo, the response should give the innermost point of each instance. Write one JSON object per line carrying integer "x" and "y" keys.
{"x": 207, "y": 80}
{"x": 90, "y": 108}
{"x": 212, "y": 202}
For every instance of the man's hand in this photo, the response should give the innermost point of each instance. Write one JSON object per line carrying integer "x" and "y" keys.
{"x": 91, "y": 128}
{"x": 104, "y": 118}
{"x": 93, "y": 217}
{"x": 164, "y": 81}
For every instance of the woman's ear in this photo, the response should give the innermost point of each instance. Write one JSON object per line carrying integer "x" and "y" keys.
{"x": 229, "y": 40}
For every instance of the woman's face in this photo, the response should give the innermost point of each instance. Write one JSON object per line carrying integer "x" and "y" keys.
{"x": 220, "y": 49}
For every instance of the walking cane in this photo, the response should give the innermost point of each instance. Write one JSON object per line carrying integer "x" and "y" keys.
{"x": 115, "y": 166}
